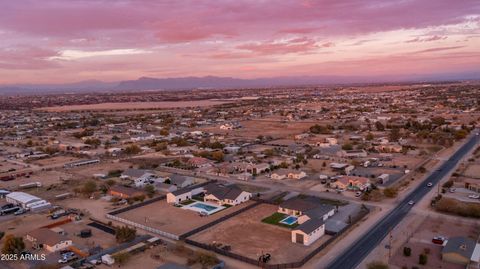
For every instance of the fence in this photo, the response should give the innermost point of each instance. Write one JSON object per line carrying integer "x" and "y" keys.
{"x": 215, "y": 222}
{"x": 143, "y": 227}
{"x": 298, "y": 264}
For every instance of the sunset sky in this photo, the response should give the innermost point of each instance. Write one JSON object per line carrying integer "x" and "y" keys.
{"x": 69, "y": 41}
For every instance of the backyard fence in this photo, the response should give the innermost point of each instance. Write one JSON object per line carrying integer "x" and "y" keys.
{"x": 298, "y": 264}
{"x": 215, "y": 222}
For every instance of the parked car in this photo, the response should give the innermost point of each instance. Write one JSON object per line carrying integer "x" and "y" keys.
{"x": 438, "y": 240}
{"x": 68, "y": 258}
{"x": 429, "y": 184}
{"x": 452, "y": 190}
{"x": 20, "y": 212}
{"x": 474, "y": 196}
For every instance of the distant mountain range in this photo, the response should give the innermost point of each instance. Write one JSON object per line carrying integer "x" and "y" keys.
{"x": 212, "y": 82}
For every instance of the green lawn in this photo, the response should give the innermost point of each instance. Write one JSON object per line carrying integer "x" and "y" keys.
{"x": 275, "y": 219}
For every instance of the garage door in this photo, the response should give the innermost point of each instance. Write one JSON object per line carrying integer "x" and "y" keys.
{"x": 299, "y": 238}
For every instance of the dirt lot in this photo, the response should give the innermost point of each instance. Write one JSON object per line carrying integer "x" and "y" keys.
{"x": 267, "y": 127}
{"x": 134, "y": 105}
{"x": 98, "y": 238}
{"x": 59, "y": 160}
{"x": 248, "y": 236}
{"x": 420, "y": 240}
{"x": 473, "y": 171}
{"x": 171, "y": 219}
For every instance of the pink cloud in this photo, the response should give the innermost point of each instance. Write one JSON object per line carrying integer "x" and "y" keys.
{"x": 426, "y": 39}
{"x": 296, "y": 45}
{"x": 26, "y": 57}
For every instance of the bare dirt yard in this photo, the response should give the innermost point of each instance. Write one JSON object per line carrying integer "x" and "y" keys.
{"x": 168, "y": 218}
{"x": 420, "y": 241}
{"x": 249, "y": 236}
{"x": 134, "y": 105}
{"x": 59, "y": 160}
{"x": 473, "y": 171}
{"x": 275, "y": 128}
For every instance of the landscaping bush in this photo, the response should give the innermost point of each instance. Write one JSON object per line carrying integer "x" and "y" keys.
{"x": 390, "y": 192}
{"x": 422, "y": 259}
{"x": 407, "y": 251}
{"x": 125, "y": 234}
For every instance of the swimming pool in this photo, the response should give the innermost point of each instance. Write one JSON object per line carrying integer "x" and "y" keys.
{"x": 290, "y": 220}
{"x": 204, "y": 208}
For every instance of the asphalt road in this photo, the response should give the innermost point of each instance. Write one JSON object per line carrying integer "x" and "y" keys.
{"x": 354, "y": 255}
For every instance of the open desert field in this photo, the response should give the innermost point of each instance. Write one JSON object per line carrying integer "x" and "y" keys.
{"x": 473, "y": 171}
{"x": 171, "y": 219}
{"x": 133, "y": 106}
{"x": 249, "y": 236}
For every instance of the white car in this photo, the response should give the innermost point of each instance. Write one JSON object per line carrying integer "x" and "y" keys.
{"x": 474, "y": 196}
{"x": 411, "y": 202}
{"x": 429, "y": 184}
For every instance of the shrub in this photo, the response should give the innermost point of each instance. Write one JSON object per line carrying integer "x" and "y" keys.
{"x": 422, "y": 259}
{"x": 407, "y": 251}
{"x": 390, "y": 192}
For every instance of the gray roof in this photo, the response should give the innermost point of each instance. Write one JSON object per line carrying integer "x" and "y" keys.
{"x": 223, "y": 192}
{"x": 319, "y": 211}
{"x": 135, "y": 173}
{"x": 310, "y": 225}
{"x": 298, "y": 204}
{"x": 460, "y": 245}
{"x": 176, "y": 179}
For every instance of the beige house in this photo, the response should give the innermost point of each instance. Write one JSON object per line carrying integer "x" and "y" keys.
{"x": 308, "y": 232}
{"x": 48, "y": 240}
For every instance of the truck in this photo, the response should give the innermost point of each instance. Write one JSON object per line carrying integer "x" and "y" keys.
{"x": 9, "y": 210}
{"x": 108, "y": 259}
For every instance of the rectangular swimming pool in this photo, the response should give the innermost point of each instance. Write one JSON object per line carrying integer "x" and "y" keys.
{"x": 204, "y": 208}
{"x": 290, "y": 220}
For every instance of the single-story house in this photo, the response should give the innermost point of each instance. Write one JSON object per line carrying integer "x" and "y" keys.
{"x": 140, "y": 177}
{"x": 460, "y": 250}
{"x": 181, "y": 195}
{"x": 199, "y": 162}
{"x": 342, "y": 168}
{"x": 124, "y": 192}
{"x": 288, "y": 173}
{"x": 351, "y": 183}
{"x": 256, "y": 169}
{"x": 352, "y": 153}
{"x": 308, "y": 232}
{"x": 164, "y": 187}
{"x": 322, "y": 211}
{"x": 47, "y": 239}
{"x": 295, "y": 206}
{"x": 230, "y": 195}
{"x": 181, "y": 181}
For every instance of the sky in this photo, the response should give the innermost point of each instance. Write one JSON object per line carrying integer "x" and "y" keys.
{"x": 53, "y": 41}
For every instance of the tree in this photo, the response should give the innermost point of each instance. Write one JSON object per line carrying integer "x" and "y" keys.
{"x": 369, "y": 137}
{"x": 132, "y": 149}
{"x": 407, "y": 251}
{"x": 89, "y": 187}
{"x": 347, "y": 146}
{"x": 394, "y": 134}
{"x": 320, "y": 129}
{"x": 13, "y": 245}
{"x": 125, "y": 234}
{"x": 390, "y": 192}
{"x": 1, "y": 235}
{"x": 377, "y": 265}
{"x": 218, "y": 156}
{"x": 150, "y": 190}
{"x": 422, "y": 259}
{"x": 379, "y": 126}
{"x": 121, "y": 258}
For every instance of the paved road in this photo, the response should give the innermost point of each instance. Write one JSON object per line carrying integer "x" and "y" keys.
{"x": 354, "y": 255}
